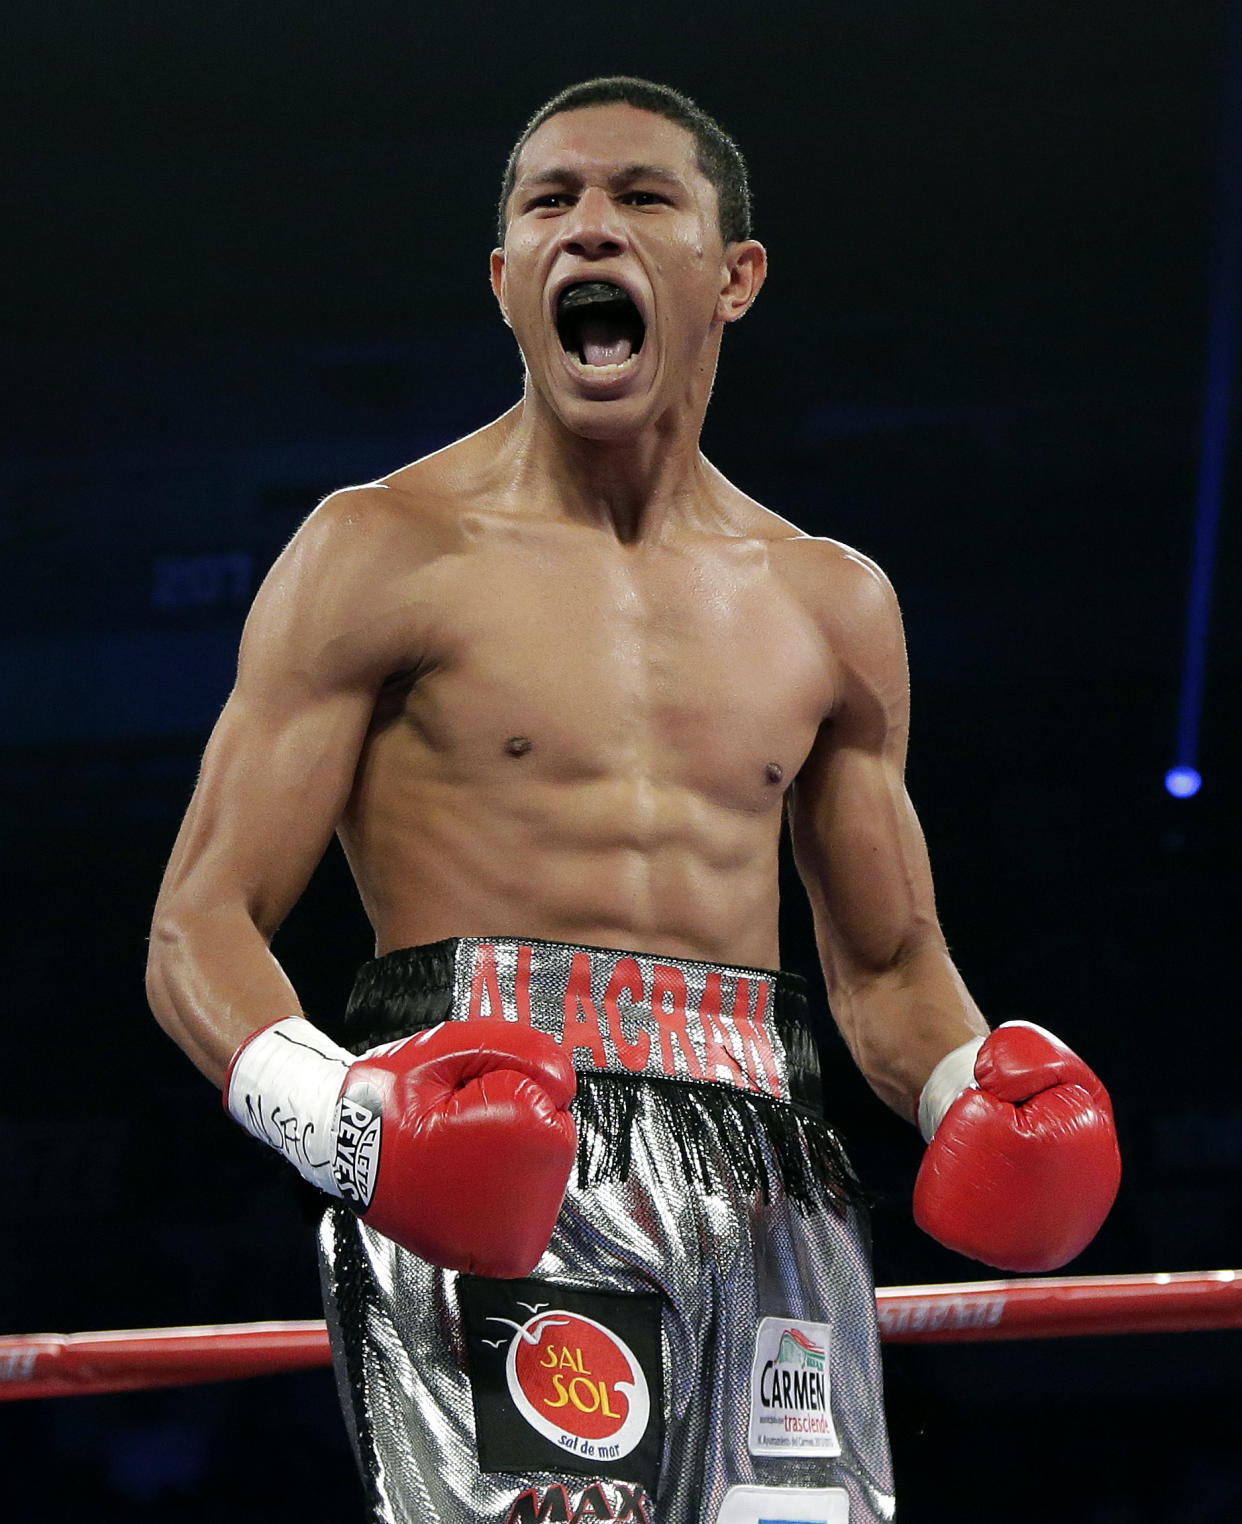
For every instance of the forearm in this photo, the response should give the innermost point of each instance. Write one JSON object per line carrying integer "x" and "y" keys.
{"x": 900, "y": 1020}
{"x": 212, "y": 980}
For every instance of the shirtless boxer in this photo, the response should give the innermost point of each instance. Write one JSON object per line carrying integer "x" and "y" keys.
{"x": 554, "y": 686}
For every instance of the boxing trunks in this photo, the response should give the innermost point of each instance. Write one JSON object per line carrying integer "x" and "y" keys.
{"x": 698, "y": 1344}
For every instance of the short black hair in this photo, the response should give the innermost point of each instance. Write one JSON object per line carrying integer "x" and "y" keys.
{"x": 716, "y": 154}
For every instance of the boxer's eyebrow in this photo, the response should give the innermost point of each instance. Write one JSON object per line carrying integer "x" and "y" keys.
{"x": 572, "y": 178}
{"x": 568, "y": 177}
{"x": 633, "y": 172}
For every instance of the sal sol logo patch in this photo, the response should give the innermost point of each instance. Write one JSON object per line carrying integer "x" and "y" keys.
{"x": 790, "y": 1409}
{"x": 618, "y": 1501}
{"x": 568, "y": 1381}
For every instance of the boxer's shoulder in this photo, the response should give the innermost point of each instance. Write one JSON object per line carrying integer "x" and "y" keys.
{"x": 362, "y": 539}
{"x": 845, "y": 591}
{"x": 343, "y": 593}
{"x": 459, "y": 496}
{"x": 413, "y": 510}
{"x": 854, "y": 607}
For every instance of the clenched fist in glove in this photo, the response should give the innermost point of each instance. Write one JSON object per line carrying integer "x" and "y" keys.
{"x": 456, "y": 1143}
{"x": 1022, "y": 1163}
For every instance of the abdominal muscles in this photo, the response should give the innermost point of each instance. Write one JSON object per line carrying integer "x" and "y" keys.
{"x": 611, "y": 861}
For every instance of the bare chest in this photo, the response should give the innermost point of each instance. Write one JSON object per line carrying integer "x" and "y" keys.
{"x": 692, "y": 666}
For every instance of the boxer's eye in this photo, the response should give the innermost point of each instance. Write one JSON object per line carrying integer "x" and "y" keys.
{"x": 606, "y": 307}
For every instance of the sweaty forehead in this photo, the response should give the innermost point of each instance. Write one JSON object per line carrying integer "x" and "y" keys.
{"x": 604, "y": 139}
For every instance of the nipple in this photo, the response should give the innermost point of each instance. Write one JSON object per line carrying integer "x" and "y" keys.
{"x": 774, "y": 772}
{"x": 518, "y": 746}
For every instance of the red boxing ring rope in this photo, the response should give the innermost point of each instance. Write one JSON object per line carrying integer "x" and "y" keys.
{"x": 1059, "y": 1307}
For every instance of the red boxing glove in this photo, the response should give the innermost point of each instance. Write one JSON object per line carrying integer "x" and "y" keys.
{"x": 456, "y": 1143}
{"x": 1022, "y": 1167}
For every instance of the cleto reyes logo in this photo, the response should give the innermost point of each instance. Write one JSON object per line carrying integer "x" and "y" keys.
{"x": 357, "y": 1129}
{"x": 577, "y": 1383}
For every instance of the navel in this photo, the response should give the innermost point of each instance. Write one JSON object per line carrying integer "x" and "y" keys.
{"x": 518, "y": 746}
{"x": 774, "y": 772}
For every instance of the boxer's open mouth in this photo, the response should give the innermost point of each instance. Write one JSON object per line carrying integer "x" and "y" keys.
{"x": 599, "y": 324}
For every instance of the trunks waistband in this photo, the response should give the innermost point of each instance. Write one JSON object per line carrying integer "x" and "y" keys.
{"x": 615, "y": 1012}
{"x": 721, "y": 1057}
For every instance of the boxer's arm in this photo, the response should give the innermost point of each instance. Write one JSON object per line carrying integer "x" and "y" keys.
{"x": 898, "y": 999}
{"x": 275, "y": 777}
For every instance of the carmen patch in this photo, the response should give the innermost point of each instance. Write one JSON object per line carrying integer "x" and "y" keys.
{"x": 790, "y": 1390}
{"x": 564, "y": 1381}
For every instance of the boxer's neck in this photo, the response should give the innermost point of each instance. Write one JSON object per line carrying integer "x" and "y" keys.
{"x": 641, "y": 486}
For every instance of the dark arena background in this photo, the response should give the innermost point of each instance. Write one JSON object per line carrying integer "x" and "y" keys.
{"x": 245, "y": 263}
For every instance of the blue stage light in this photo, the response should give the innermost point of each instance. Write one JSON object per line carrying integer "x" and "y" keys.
{"x": 1182, "y": 782}
{"x": 1225, "y": 324}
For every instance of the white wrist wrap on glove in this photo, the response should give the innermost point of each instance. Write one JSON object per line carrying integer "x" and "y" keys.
{"x": 952, "y": 1076}
{"x": 283, "y": 1087}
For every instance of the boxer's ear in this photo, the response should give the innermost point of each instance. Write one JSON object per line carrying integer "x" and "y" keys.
{"x": 744, "y": 270}
{"x": 498, "y": 283}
